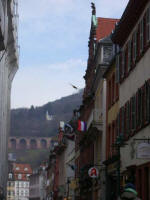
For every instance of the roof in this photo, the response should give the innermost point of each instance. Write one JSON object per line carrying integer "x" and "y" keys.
{"x": 128, "y": 20}
{"x": 22, "y": 168}
{"x": 105, "y": 27}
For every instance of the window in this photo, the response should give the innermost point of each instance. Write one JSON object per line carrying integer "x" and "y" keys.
{"x": 26, "y": 169}
{"x": 148, "y": 25}
{"x": 134, "y": 46}
{"x": 133, "y": 113}
{"x": 113, "y": 88}
{"x": 22, "y": 185}
{"x": 22, "y": 192}
{"x": 123, "y": 65}
{"x": 19, "y": 176}
{"x": 129, "y": 55}
{"x": 128, "y": 119}
{"x": 17, "y": 168}
{"x": 10, "y": 176}
{"x": 147, "y": 110}
{"x": 141, "y": 35}
{"x": 117, "y": 68}
{"x": 12, "y": 184}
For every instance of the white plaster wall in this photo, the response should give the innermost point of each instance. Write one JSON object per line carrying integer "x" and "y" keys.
{"x": 136, "y": 79}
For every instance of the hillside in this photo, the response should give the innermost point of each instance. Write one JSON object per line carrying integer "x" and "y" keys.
{"x": 32, "y": 122}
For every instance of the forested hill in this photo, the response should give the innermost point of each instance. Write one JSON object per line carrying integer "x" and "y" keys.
{"x": 32, "y": 122}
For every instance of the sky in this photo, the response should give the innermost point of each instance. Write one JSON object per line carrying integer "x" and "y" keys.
{"x": 53, "y": 39}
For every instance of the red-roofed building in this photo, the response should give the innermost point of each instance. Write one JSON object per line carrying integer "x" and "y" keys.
{"x": 100, "y": 31}
{"x": 105, "y": 27}
{"x": 20, "y": 178}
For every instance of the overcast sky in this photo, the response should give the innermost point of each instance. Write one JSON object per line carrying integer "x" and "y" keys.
{"x": 53, "y": 38}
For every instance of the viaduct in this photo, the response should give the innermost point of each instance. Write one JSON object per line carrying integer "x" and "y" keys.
{"x": 29, "y": 142}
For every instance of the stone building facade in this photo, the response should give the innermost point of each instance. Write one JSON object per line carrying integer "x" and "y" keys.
{"x": 8, "y": 68}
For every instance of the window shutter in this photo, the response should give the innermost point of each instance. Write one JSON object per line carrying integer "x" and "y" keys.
{"x": 122, "y": 116}
{"x": 148, "y": 25}
{"x": 117, "y": 68}
{"x": 134, "y": 46}
{"x": 139, "y": 108}
{"x": 141, "y": 35}
{"x": 123, "y": 65}
{"x": 147, "y": 109}
{"x": 128, "y": 119}
{"x": 143, "y": 105}
{"x": 129, "y": 55}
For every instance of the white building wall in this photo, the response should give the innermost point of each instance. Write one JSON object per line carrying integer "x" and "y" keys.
{"x": 128, "y": 88}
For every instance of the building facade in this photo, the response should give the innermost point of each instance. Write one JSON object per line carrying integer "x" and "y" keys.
{"x": 8, "y": 68}
{"x": 18, "y": 182}
{"x": 133, "y": 36}
{"x": 90, "y": 145}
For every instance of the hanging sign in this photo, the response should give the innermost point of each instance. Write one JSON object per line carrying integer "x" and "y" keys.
{"x": 93, "y": 172}
{"x": 143, "y": 150}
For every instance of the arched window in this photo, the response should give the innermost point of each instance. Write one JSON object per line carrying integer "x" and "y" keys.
{"x": 33, "y": 144}
{"x": 13, "y": 143}
{"x": 43, "y": 144}
{"x": 23, "y": 144}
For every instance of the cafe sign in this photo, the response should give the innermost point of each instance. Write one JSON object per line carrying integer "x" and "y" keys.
{"x": 93, "y": 172}
{"x": 143, "y": 150}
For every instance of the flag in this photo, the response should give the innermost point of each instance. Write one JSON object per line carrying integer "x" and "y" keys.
{"x": 81, "y": 125}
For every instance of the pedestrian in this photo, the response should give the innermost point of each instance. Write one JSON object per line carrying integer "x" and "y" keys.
{"x": 129, "y": 192}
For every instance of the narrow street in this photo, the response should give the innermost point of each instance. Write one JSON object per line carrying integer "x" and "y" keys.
{"x": 74, "y": 100}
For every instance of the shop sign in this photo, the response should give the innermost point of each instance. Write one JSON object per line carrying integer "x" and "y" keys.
{"x": 93, "y": 172}
{"x": 143, "y": 150}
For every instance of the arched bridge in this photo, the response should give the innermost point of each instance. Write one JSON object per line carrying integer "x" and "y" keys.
{"x": 29, "y": 142}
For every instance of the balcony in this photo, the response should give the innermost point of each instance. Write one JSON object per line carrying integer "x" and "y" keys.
{"x": 95, "y": 119}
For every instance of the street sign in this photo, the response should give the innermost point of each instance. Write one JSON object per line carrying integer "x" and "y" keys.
{"x": 93, "y": 172}
{"x": 143, "y": 150}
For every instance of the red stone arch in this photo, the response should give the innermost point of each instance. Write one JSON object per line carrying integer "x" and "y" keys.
{"x": 43, "y": 144}
{"x": 33, "y": 144}
{"x": 22, "y": 143}
{"x": 13, "y": 143}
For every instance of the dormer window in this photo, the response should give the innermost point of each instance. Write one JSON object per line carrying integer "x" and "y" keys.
{"x": 10, "y": 176}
